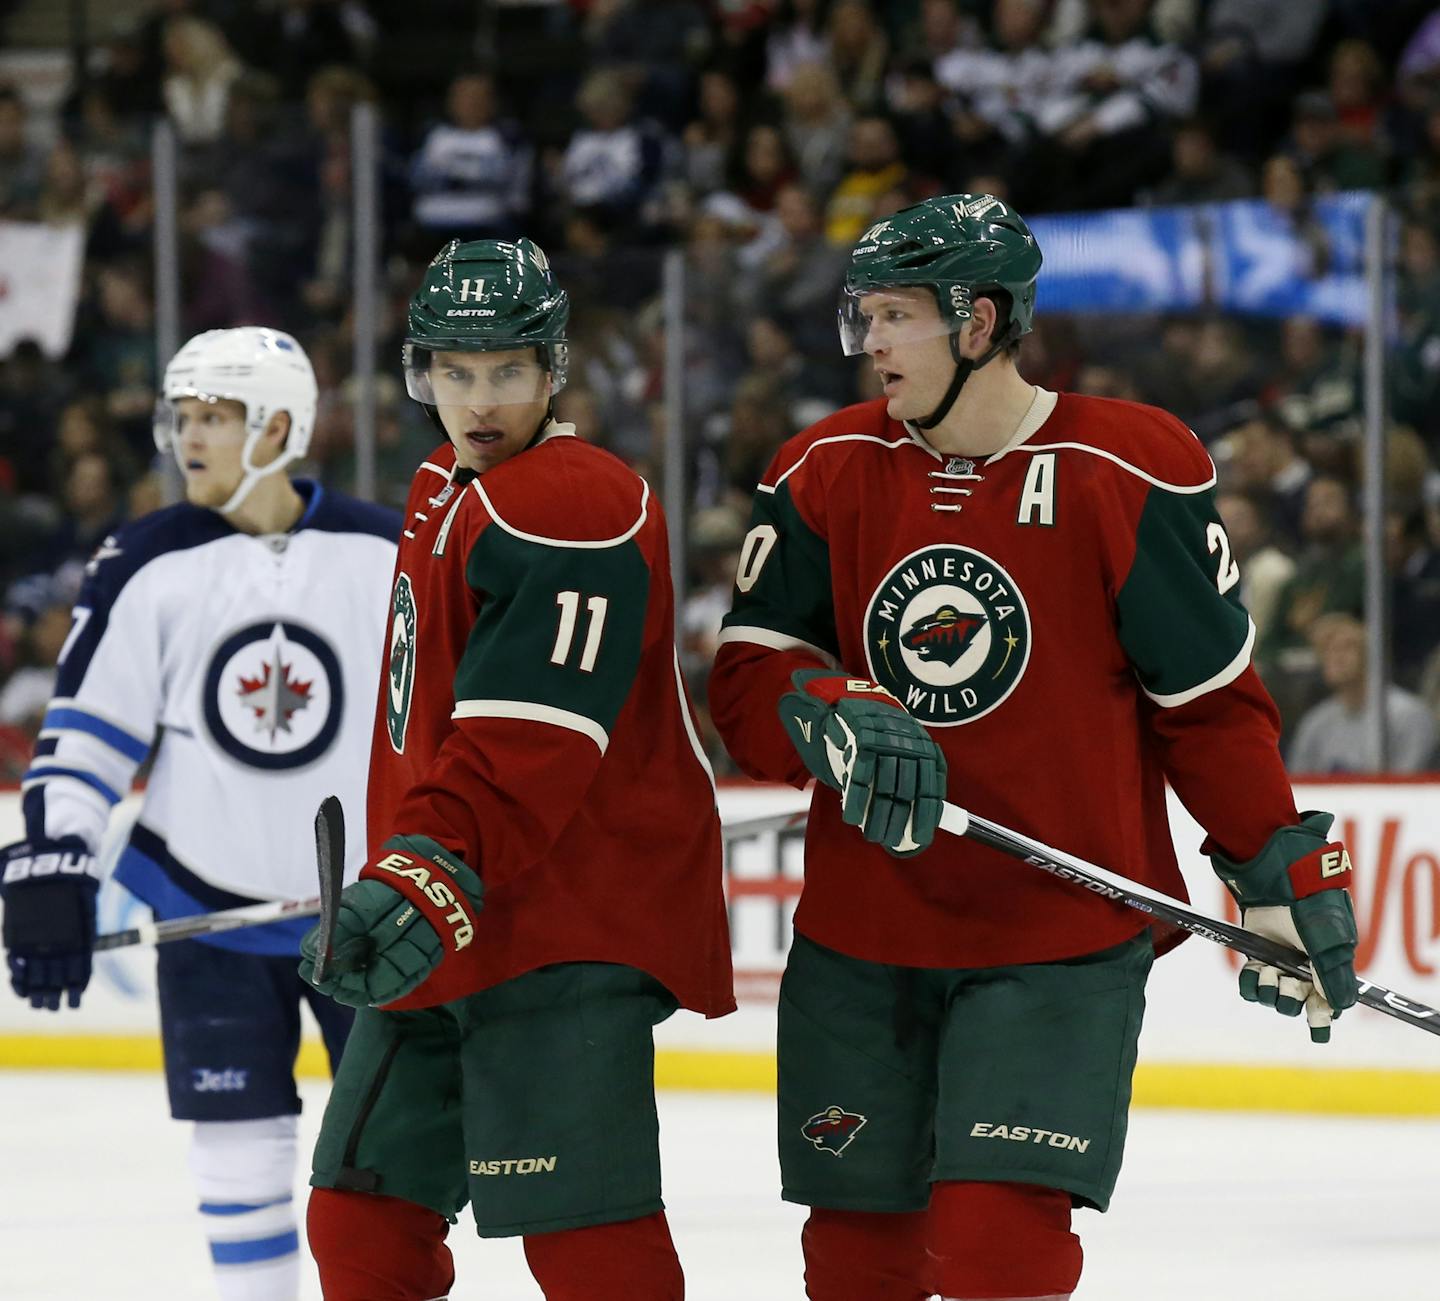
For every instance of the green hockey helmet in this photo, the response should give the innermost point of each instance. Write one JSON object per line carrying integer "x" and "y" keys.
{"x": 487, "y": 295}
{"x": 958, "y": 246}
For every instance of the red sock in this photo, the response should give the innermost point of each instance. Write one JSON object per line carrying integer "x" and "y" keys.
{"x": 995, "y": 1241}
{"x": 372, "y": 1248}
{"x": 633, "y": 1260}
{"x": 865, "y": 1256}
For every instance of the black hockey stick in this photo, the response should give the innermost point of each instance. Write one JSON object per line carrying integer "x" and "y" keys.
{"x": 258, "y": 914}
{"x": 959, "y": 822}
{"x": 227, "y": 919}
{"x": 330, "y": 863}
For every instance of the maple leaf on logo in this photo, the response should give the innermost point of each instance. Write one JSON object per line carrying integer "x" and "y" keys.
{"x": 274, "y": 697}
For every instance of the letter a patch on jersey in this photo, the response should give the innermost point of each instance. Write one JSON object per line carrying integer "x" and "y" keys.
{"x": 400, "y": 669}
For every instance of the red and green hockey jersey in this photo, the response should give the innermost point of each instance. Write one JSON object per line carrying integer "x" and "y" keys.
{"x": 1063, "y": 616}
{"x": 532, "y": 719}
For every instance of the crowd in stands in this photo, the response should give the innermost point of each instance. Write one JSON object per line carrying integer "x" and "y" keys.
{"x": 761, "y": 137}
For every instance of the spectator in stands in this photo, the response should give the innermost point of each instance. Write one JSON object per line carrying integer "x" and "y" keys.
{"x": 22, "y": 165}
{"x": 1358, "y": 91}
{"x": 940, "y": 28}
{"x": 116, "y": 350}
{"x": 1334, "y": 735}
{"x": 33, "y": 389}
{"x": 713, "y": 138}
{"x": 1200, "y": 172}
{"x": 472, "y": 176}
{"x": 758, "y": 425}
{"x": 875, "y": 169}
{"x": 1108, "y": 100}
{"x": 1252, "y": 53}
{"x": 294, "y": 37}
{"x": 1317, "y": 384}
{"x": 614, "y": 164}
{"x": 713, "y": 552}
{"x": 859, "y": 51}
{"x": 94, "y": 507}
{"x": 1414, "y": 564}
{"x": 1264, "y": 568}
{"x": 800, "y": 278}
{"x": 200, "y": 70}
{"x": 922, "y": 120}
{"x": 26, "y": 695}
{"x": 1263, "y": 453}
{"x": 654, "y": 45}
{"x": 1329, "y": 578}
{"x": 330, "y": 98}
{"x": 817, "y": 125}
{"x": 766, "y": 167}
{"x": 998, "y": 90}
{"x": 1224, "y": 375}
{"x": 1328, "y": 159}
{"x": 797, "y": 36}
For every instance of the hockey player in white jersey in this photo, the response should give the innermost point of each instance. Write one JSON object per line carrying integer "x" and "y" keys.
{"x": 234, "y": 637}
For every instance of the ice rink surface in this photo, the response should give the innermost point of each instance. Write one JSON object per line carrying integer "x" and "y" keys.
{"x": 94, "y": 1203}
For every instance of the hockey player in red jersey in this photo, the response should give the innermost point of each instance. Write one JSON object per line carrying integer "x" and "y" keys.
{"x": 1027, "y": 600}
{"x": 544, "y": 880}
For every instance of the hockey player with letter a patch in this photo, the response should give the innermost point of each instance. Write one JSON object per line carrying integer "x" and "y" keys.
{"x": 1025, "y": 601}
{"x": 544, "y": 880}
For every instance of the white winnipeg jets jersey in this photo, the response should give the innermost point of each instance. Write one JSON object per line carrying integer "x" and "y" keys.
{"x": 248, "y": 666}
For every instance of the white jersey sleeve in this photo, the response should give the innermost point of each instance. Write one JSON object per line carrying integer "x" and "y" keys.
{"x": 247, "y": 670}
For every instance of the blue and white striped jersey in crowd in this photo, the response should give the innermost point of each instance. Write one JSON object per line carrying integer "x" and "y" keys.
{"x": 249, "y": 665}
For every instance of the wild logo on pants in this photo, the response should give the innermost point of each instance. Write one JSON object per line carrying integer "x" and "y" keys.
{"x": 833, "y": 1130}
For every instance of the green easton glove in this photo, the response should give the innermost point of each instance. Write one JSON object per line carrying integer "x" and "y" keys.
{"x": 1295, "y": 891}
{"x": 856, "y": 737}
{"x": 385, "y": 947}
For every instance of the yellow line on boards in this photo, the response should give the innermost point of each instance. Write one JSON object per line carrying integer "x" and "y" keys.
{"x": 1202, "y": 1086}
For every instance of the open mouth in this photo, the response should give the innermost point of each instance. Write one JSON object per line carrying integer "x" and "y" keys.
{"x": 481, "y": 438}
{"x": 891, "y": 380}
{"x": 194, "y": 466}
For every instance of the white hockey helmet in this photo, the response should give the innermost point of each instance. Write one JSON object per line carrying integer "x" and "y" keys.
{"x": 265, "y": 370}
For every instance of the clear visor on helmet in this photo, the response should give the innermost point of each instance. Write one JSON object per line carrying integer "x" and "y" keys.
{"x": 887, "y": 315}
{"x": 476, "y": 381}
{"x": 167, "y": 424}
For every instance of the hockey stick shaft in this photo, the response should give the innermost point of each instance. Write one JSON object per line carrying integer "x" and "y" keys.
{"x": 258, "y": 914}
{"x": 330, "y": 865}
{"x": 1110, "y": 885}
{"x": 228, "y": 919}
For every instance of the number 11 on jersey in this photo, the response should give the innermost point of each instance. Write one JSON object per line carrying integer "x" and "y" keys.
{"x": 569, "y": 603}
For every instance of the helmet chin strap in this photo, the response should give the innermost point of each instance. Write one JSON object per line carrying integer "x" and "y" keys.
{"x": 963, "y": 370}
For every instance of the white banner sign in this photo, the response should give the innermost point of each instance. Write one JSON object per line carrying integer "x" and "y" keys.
{"x": 39, "y": 285}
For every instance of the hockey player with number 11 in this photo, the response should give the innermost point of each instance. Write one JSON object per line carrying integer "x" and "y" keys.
{"x": 543, "y": 883}
{"x": 1025, "y": 600}
{"x": 232, "y": 637}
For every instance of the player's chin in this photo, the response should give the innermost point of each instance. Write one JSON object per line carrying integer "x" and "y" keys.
{"x": 203, "y": 491}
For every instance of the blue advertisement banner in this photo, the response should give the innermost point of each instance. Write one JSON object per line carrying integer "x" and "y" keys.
{"x": 1242, "y": 257}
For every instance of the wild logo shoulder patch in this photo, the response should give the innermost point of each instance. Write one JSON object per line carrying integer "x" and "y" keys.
{"x": 947, "y": 630}
{"x": 400, "y": 670}
{"x": 834, "y": 1129}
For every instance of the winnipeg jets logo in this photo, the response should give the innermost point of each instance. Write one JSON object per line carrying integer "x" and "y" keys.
{"x": 273, "y": 694}
{"x": 948, "y": 632}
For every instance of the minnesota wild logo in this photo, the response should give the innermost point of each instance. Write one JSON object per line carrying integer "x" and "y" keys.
{"x": 948, "y": 632}
{"x": 400, "y": 672}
